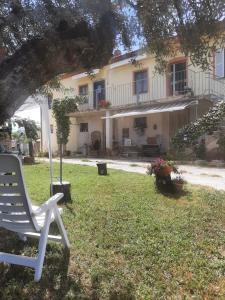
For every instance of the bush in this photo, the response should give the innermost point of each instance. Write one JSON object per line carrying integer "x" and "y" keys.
{"x": 43, "y": 154}
{"x": 207, "y": 124}
{"x": 221, "y": 143}
{"x": 200, "y": 150}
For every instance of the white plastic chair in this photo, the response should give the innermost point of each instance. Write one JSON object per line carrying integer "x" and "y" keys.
{"x": 19, "y": 215}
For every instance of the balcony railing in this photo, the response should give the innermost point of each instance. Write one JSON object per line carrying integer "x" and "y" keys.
{"x": 157, "y": 87}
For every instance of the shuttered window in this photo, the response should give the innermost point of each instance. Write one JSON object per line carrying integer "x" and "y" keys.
{"x": 219, "y": 63}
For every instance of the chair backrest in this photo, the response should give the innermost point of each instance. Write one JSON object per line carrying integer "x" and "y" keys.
{"x": 15, "y": 206}
{"x": 152, "y": 140}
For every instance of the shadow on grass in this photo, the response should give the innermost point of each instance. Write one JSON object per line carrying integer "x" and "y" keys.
{"x": 57, "y": 281}
{"x": 17, "y": 282}
{"x": 122, "y": 292}
{"x": 172, "y": 194}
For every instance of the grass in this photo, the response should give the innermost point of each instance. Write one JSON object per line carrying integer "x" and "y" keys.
{"x": 127, "y": 241}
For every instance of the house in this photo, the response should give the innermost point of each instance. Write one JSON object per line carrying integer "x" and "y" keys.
{"x": 131, "y": 110}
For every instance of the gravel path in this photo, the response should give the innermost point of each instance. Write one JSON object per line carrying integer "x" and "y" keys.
{"x": 211, "y": 177}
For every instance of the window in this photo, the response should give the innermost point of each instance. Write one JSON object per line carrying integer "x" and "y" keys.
{"x": 141, "y": 82}
{"x": 140, "y": 122}
{"x": 83, "y": 127}
{"x": 220, "y": 63}
{"x": 83, "y": 90}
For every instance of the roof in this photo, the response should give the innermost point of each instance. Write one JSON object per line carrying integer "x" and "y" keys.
{"x": 114, "y": 59}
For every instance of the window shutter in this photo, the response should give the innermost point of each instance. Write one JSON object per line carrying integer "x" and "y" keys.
{"x": 219, "y": 63}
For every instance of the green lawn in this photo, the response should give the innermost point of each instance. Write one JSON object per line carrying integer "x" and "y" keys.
{"x": 127, "y": 241}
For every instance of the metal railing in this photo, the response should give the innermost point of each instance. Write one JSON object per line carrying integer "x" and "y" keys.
{"x": 181, "y": 83}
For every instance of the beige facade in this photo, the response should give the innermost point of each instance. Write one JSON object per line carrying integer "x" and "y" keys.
{"x": 118, "y": 84}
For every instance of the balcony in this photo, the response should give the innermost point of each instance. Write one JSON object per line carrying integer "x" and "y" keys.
{"x": 171, "y": 86}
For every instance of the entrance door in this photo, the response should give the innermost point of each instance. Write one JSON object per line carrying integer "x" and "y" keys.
{"x": 178, "y": 78}
{"x": 99, "y": 92}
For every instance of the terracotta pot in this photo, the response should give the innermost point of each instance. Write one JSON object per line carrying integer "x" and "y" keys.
{"x": 165, "y": 171}
{"x": 178, "y": 186}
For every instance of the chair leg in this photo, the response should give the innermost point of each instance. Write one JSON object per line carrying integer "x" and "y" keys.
{"x": 61, "y": 227}
{"x": 42, "y": 246}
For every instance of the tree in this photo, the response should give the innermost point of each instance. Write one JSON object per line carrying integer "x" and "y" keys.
{"x": 60, "y": 108}
{"x": 31, "y": 131}
{"x": 45, "y": 38}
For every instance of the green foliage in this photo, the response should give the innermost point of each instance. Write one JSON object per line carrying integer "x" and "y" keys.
{"x": 31, "y": 128}
{"x": 221, "y": 143}
{"x": 200, "y": 150}
{"x": 196, "y": 24}
{"x": 60, "y": 108}
{"x": 54, "y": 84}
{"x": 3, "y": 135}
{"x": 190, "y": 133}
{"x": 43, "y": 154}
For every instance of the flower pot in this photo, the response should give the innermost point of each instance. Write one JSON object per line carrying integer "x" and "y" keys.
{"x": 165, "y": 171}
{"x": 178, "y": 186}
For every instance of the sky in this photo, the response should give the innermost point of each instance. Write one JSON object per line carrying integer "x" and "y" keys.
{"x": 33, "y": 114}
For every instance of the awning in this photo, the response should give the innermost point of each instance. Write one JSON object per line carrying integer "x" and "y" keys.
{"x": 157, "y": 108}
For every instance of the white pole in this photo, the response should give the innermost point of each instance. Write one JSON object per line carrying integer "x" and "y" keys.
{"x": 47, "y": 133}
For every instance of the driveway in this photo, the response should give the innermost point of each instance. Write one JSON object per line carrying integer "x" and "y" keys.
{"x": 211, "y": 177}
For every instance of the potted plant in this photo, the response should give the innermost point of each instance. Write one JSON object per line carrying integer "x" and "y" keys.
{"x": 104, "y": 104}
{"x": 178, "y": 182}
{"x": 61, "y": 108}
{"x": 161, "y": 168}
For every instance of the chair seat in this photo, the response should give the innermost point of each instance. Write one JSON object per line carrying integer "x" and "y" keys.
{"x": 41, "y": 218}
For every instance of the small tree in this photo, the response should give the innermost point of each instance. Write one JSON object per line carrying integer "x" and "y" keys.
{"x": 60, "y": 108}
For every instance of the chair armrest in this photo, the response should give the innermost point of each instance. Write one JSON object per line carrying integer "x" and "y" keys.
{"x": 48, "y": 204}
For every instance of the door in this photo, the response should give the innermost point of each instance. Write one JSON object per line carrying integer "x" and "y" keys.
{"x": 99, "y": 92}
{"x": 178, "y": 78}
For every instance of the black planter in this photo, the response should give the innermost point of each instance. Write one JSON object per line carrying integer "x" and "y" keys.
{"x": 102, "y": 168}
{"x": 65, "y": 188}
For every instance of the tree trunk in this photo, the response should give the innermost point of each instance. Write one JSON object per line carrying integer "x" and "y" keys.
{"x": 31, "y": 149}
{"x": 70, "y": 49}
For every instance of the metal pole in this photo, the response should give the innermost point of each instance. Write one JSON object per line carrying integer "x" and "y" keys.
{"x": 41, "y": 128}
{"x": 60, "y": 176}
{"x": 45, "y": 115}
{"x": 49, "y": 151}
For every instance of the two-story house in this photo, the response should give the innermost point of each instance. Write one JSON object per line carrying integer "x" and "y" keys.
{"x": 129, "y": 109}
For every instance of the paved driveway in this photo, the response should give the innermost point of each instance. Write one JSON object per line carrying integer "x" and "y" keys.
{"x": 212, "y": 177}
